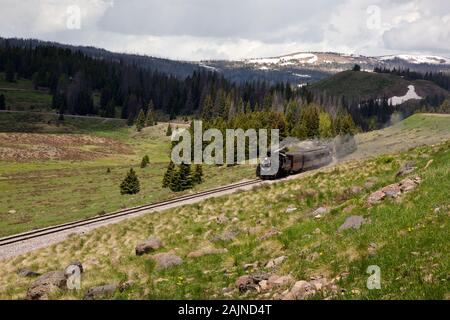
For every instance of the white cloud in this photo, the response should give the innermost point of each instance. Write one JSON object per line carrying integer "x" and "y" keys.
{"x": 205, "y": 29}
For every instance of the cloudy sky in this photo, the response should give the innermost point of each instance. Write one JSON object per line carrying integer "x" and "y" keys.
{"x": 234, "y": 29}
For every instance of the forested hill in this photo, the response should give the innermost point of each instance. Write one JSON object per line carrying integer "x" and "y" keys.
{"x": 181, "y": 69}
{"x": 73, "y": 78}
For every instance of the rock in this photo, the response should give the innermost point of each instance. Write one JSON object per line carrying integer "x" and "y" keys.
{"x": 319, "y": 283}
{"x": 249, "y": 266}
{"x": 407, "y": 185}
{"x": 275, "y": 262}
{"x": 12, "y": 211}
{"x": 148, "y": 246}
{"x": 229, "y": 235}
{"x": 405, "y": 169}
{"x": 376, "y": 197}
{"x": 250, "y": 282}
{"x": 46, "y": 284}
{"x": 166, "y": 260}
{"x": 320, "y": 212}
{"x": 264, "y": 285}
{"x": 317, "y": 231}
{"x": 392, "y": 191}
{"x": 26, "y": 273}
{"x": 276, "y": 281}
{"x": 101, "y": 292}
{"x": 245, "y": 283}
{"x": 302, "y": 290}
{"x": 235, "y": 220}
{"x": 269, "y": 234}
{"x": 291, "y": 208}
{"x": 353, "y": 222}
{"x": 222, "y": 219}
{"x": 126, "y": 285}
{"x": 206, "y": 251}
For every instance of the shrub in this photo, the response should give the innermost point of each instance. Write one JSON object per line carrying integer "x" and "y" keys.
{"x": 130, "y": 185}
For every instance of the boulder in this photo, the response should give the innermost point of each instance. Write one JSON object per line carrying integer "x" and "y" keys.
{"x": 301, "y": 290}
{"x": 392, "y": 191}
{"x": 277, "y": 281}
{"x": 148, "y": 246}
{"x": 45, "y": 284}
{"x": 405, "y": 169}
{"x": 101, "y": 292}
{"x": 206, "y": 251}
{"x": 376, "y": 197}
{"x": 353, "y": 222}
{"x": 275, "y": 262}
{"x": 407, "y": 185}
{"x": 166, "y": 260}
{"x": 251, "y": 282}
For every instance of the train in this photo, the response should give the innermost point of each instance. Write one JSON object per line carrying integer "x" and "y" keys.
{"x": 294, "y": 162}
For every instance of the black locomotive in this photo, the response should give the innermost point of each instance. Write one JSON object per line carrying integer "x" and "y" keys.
{"x": 294, "y": 162}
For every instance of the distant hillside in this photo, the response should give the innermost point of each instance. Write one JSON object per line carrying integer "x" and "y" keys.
{"x": 367, "y": 85}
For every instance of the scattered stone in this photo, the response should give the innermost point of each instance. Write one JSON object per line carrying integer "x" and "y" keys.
{"x": 275, "y": 262}
{"x": 235, "y": 219}
{"x": 264, "y": 285}
{"x": 101, "y": 292}
{"x": 229, "y": 235}
{"x": 317, "y": 231}
{"x": 392, "y": 191}
{"x": 166, "y": 260}
{"x": 250, "y": 282}
{"x": 405, "y": 169}
{"x": 26, "y": 273}
{"x": 319, "y": 282}
{"x": 249, "y": 266}
{"x": 320, "y": 212}
{"x": 277, "y": 281}
{"x": 12, "y": 211}
{"x": 353, "y": 222}
{"x": 206, "y": 251}
{"x": 148, "y": 246}
{"x": 376, "y": 197}
{"x": 291, "y": 208}
{"x": 126, "y": 285}
{"x": 227, "y": 291}
{"x": 46, "y": 284}
{"x": 269, "y": 234}
{"x": 407, "y": 185}
{"x": 300, "y": 291}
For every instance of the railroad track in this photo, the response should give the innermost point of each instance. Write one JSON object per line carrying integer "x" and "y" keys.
{"x": 122, "y": 213}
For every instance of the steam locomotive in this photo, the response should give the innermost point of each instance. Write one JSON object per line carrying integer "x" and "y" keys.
{"x": 294, "y": 162}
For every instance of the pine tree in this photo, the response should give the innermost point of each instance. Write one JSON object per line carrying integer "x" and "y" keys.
{"x": 9, "y": 72}
{"x": 140, "y": 121}
{"x": 130, "y": 185}
{"x": 356, "y": 67}
{"x": 197, "y": 177}
{"x": 168, "y": 176}
{"x": 174, "y": 184}
{"x": 2, "y": 102}
{"x": 145, "y": 161}
{"x": 325, "y": 125}
{"x": 185, "y": 177}
{"x": 169, "y": 130}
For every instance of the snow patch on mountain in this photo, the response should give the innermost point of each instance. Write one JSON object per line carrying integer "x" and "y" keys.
{"x": 306, "y": 58}
{"x": 417, "y": 59}
{"x": 410, "y": 95}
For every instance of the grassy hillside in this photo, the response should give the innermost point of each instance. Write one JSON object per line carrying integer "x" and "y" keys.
{"x": 60, "y": 173}
{"x": 365, "y": 85}
{"x": 406, "y": 237}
